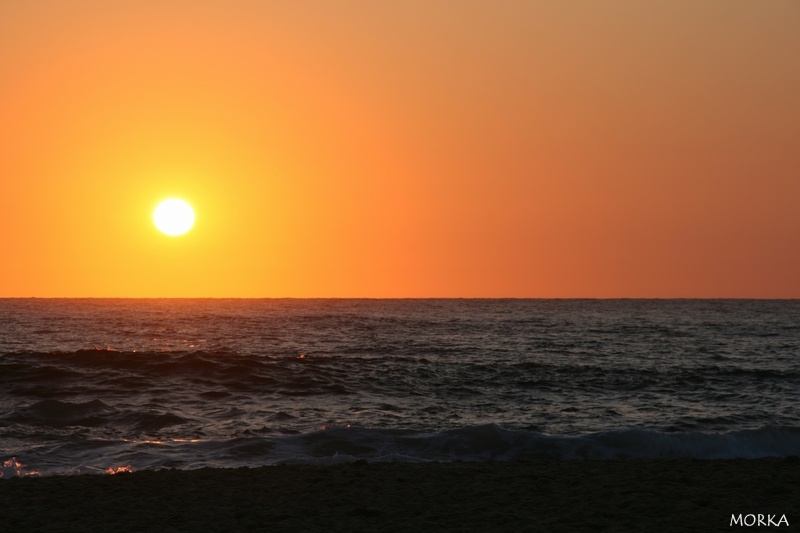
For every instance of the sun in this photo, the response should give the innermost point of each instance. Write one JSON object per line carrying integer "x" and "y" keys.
{"x": 173, "y": 217}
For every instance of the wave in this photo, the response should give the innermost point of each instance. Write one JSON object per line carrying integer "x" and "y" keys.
{"x": 493, "y": 442}
{"x": 54, "y": 413}
{"x": 94, "y": 413}
{"x": 334, "y": 445}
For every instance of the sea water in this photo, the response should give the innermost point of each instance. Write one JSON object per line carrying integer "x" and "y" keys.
{"x": 106, "y": 385}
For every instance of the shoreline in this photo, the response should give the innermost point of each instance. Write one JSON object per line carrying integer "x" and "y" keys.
{"x": 618, "y": 495}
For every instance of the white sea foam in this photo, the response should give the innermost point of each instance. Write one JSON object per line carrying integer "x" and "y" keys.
{"x": 473, "y": 443}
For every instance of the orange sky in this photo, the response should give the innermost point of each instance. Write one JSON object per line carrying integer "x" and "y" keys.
{"x": 401, "y": 149}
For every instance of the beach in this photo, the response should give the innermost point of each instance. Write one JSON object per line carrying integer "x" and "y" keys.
{"x": 626, "y": 495}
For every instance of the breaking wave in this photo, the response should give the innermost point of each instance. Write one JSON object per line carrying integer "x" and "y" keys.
{"x": 333, "y": 445}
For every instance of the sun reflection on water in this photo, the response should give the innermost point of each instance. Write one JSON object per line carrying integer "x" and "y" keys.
{"x": 119, "y": 470}
{"x": 12, "y": 467}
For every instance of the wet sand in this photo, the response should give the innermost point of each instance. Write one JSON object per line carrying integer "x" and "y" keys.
{"x": 663, "y": 496}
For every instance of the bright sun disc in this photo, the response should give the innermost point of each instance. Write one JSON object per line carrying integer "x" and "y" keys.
{"x": 173, "y": 217}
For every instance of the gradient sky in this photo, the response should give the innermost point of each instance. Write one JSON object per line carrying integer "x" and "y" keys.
{"x": 401, "y": 149}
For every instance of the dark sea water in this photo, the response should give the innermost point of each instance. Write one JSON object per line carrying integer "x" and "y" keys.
{"x": 98, "y": 385}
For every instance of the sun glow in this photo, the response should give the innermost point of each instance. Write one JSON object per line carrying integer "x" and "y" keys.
{"x": 173, "y": 217}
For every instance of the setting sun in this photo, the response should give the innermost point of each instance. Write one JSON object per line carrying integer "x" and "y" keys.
{"x": 173, "y": 217}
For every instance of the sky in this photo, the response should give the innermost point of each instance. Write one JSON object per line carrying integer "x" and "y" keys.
{"x": 521, "y": 148}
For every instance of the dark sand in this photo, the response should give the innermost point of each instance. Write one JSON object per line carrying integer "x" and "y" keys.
{"x": 659, "y": 496}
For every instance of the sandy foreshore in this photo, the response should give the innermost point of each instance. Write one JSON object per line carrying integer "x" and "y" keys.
{"x": 679, "y": 495}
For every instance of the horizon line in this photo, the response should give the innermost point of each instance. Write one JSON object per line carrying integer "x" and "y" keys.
{"x": 397, "y": 298}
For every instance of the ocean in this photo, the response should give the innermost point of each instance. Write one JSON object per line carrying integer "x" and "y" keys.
{"x": 112, "y": 385}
